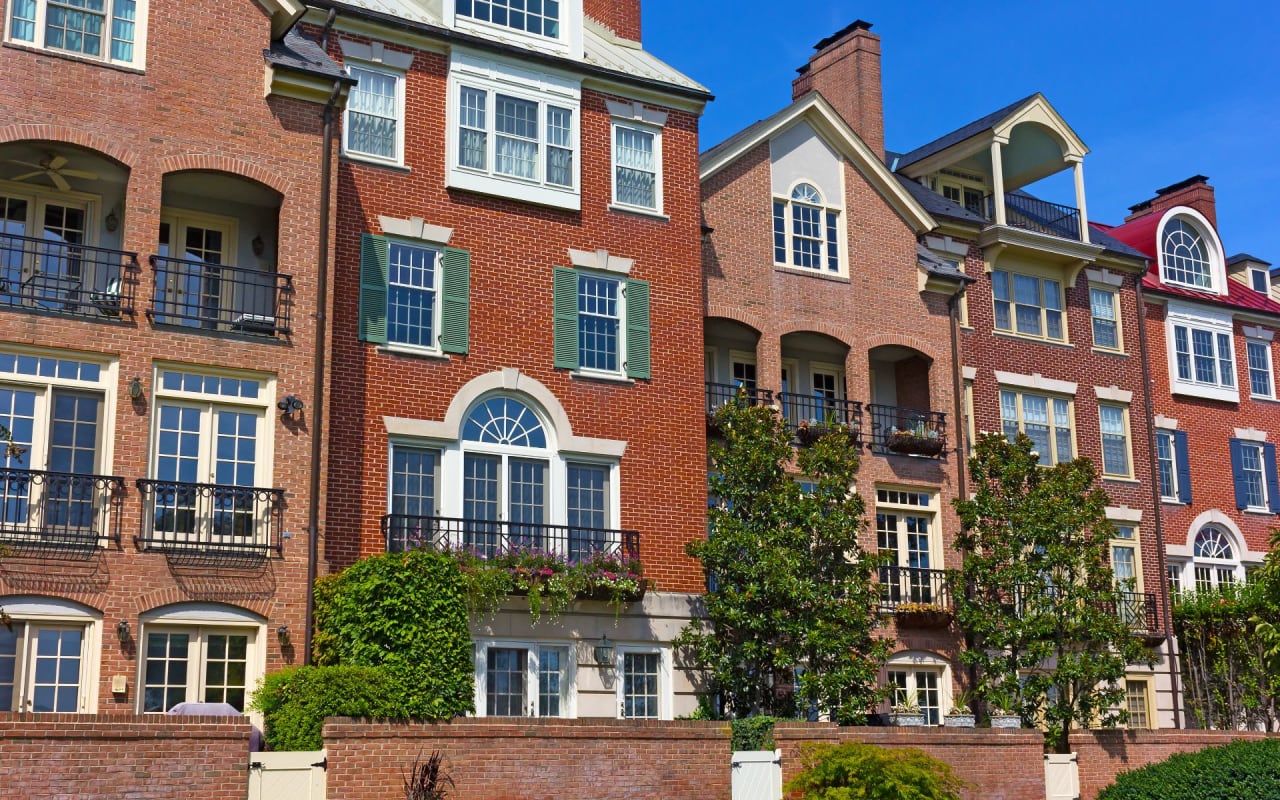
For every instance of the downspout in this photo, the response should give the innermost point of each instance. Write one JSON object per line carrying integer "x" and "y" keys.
{"x": 1155, "y": 495}
{"x": 962, "y": 430}
{"x": 317, "y": 393}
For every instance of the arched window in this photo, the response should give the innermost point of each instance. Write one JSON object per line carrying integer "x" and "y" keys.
{"x": 806, "y": 231}
{"x": 1186, "y": 256}
{"x": 505, "y": 472}
{"x": 502, "y": 420}
{"x": 1215, "y": 560}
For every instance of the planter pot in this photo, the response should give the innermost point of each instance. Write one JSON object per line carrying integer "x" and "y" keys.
{"x": 932, "y": 619}
{"x": 905, "y": 719}
{"x": 1006, "y": 721}
{"x": 959, "y": 721}
{"x": 809, "y": 434}
{"x": 907, "y": 443}
{"x": 603, "y": 593}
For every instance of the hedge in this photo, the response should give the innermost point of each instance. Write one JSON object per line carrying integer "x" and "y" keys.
{"x": 1242, "y": 770}
{"x": 295, "y": 701}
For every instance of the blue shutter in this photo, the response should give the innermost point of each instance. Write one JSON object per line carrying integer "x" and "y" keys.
{"x": 1273, "y": 485}
{"x": 374, "y": 270}
{"x": 1237, "y": 474}
{"x": 1182, "y": 464}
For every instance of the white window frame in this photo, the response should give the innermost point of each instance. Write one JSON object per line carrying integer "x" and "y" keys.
{"x": 1201, "y": 226}
{"x": 568, "y": 675}
{"x": 1165, "y": 434}
{"x": 638, "y": 127}
{"x": 208, "y": 402}
{"x": 910, "y": 590}
{"x": 1217, "y": 567}
{"x": 1114, "y": 295}
{"x": 1191, "y": 318}
{"x": 543, "y": 88}
{"x": 621, "y": 355}
{"x": 912, "y": 662}
{"x": 1261, "y": 454}
{"x": 138, "y": 61}
{"x": 1041, "y": 306}
{"x": 37, "y": 613}
{"x": 825, "y": 206}
{"x": 665, "y": 692}
{"x": 1264, "y": 347}
{"x": 568, "y": 42}
{"x": 436, "y": 289}
{"x": 398, "y": 75}
{"x": 1265, "y": 276}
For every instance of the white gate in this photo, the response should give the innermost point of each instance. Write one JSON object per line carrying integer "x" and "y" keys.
{"x": 287, "y": 775}
{"x": 757, "y": 775}
{"x": 1061, "y": 777}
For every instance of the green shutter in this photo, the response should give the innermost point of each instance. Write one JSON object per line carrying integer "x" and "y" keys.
{"x": 455, "y": 308}
{"x": 565, "y": 310}
{"x": 374, "y": 257}
{"x": 637, "y": 329}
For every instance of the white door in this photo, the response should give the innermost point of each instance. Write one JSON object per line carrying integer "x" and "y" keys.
{"x": 287, "y": 775}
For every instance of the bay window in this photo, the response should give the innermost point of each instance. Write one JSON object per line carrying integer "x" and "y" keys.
{"x": 1201, "y": 345}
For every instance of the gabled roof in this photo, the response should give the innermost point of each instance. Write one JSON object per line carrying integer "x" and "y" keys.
{"x": 1238, "y": 257}
{"x": 824, "y": 119}
{"x": 960, "y": 134}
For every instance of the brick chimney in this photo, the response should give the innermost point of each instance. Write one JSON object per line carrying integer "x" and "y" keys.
{"x": 1195, "y": 192}
{"x": 845, "y": 69}
{"x": 620, "y": 16}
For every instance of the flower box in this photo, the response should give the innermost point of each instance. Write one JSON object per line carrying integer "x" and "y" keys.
{"x": 922, "y": 615}
{"x": 959, "y": 721}
{"x": 1006, "y": 721}
{"x": 908, "y": 442}
{"x": 808, "y": 435}
{"x": 908, "y": 719}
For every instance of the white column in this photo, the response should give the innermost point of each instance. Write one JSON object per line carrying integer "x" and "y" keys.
{"x": 997, "y": 181}
{"x": 1078, "y": 168}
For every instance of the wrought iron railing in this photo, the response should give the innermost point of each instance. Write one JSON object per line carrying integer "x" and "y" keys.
{"x": 1022, "y": 211}
{"x": 907, "y": 431}
{"x": 210, "y": 518}
{"x": 45, "y": 275}
{"x": 407, "y": 532}
{"x": 59, "y": 509}
{"x": 900, "y": 585}
{"x": 1138, "y": 610}
{"x": 218, "y": 297}
{"x": 720, "y": 394}
{"x": 810, "y": 416}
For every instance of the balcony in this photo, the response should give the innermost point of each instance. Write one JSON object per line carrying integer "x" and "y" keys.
{"x": 56, "y": 510}
{"x": 721, "y": 394}
{"x": 1041, "y": 216}
{"x": 490, "y": 538}
{"x": 811, "y": 416}
{"x": 907, "y": 431}
{"x": 210, "y": 519}
{"x": 1138, "y": 609}
{"x": 913, "y": 585}
{"x": 39, "y": 274}
{"x": 217, "y": 297}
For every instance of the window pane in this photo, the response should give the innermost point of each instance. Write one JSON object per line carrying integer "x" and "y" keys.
{"x": 551, "y": 663}
{"x": 1115, "y": 443}
{"x": 10, "y": 636}
{"x": 640, "y": 685}
{"x": 636, "y": 174}
{"x": 56, "y": 684}
{"x": 1182, "y": 348}
{"x": 413, "y": 495}
{"x": 1102, "y": 307}
{"x": 807, "y": 236}
{"x": 505, "y": 678}
{"x": 1164, "y": 456}
{"x": 472, "y": 141}
{"x": 516, "y": 124}
{"x": 411, "y": 295}
{"x": 1202, "y": 346}
{"x": 598, "y": 323}
{"x": 779, "y": 232}
{"x": 1251, "y": 461}
{"x": 372, "y": 114}
{"x": 1226, "y": 361}
{"x": 588, "y": 504}
{"x": 559, "y": 146}
{"x": 225, "y": 669}
{"x": 165, "y": 671}
{"x": 1259, "y": 368}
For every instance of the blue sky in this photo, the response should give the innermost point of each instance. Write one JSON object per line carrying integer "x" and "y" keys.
{"x": 1158, "y": 91}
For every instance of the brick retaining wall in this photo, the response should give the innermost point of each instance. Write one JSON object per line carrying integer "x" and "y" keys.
{"x": 1105, "y": 754}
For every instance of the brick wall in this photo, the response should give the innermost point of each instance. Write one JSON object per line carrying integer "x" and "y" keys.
{"x": 531, "y": 759}
{"x": 99, "y": 756}
{"x": 1105, "y": 754}
{"x": 997, "y": 764}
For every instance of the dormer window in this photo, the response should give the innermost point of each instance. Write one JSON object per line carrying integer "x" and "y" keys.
{"x": 539, "y": 17}
{"x": 549, "y": 26}
{"x": 1259, "y": 280}
{"x": 1186, "y": 259}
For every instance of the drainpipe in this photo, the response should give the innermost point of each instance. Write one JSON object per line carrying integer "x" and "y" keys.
{"x": 957, "y": 390}
{"x": 317, "y": 394}
{"x": 1155, "y": 494}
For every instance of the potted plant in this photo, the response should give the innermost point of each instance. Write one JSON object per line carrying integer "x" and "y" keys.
{"x": 922, "y": 615}
{"x": 961, "y": 715}
{"x": 906, "y": 710}
{"x": 810, "y": 430}
{"x": 918, "y": 439}
{"x": 1002, "y": 715}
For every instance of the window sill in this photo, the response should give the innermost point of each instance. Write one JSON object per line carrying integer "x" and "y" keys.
{"x": 1120, "y": 479}
{"x": 412, "y": 352}
{"x": 1034, "y": 339}
{"x": 1263, "y": 398}
{"x": 1172, "y": 501}
{"x": 31, "y": 48}
{"x": 603, "y": 377}
{"x": 810, "y": 273}
{"x": 639, "y": 212}
{"x": 513, "y": 189}
{"x": 1106, "y": 351}
{"x": 1206, "y": 392}
{"x": 370, "y": 161}
{"x": 1259, "y": 512}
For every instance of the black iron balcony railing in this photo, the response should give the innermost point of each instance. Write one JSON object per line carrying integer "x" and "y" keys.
{"x": 45, "y": 275}
{"x": 900, "y": 585}
{"x": 719, "y": 394}
{"x": 210, "y": 519}
{"x": 218, "y": 297}
{"x": 1022, "y": 211}
{"x": 407, "y": 532}
{"x": 907, "y": 431}
{"x": 810, "y": 416}
{"x": 1138, "y": 610}
{"x": 59, "y": 509}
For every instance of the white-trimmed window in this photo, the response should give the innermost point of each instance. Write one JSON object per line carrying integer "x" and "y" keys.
{"x": 1184, "y": 256}
{"x": 373, "y": 124}
{"x": 48, "y": 656}
{"x": 1114, "y": 421}
{"x": 1028, "y": 305}
{"x": 1259, "y": 357}
{"x": 806, "y": 231}
{"x": 1105, "y": 311}
{"x": 413, "y": 288}
{"x": 537, "y": 17}
{"x": 198, "y": 653}
{"x": 102, "y": 30}
{"x": 601, "y": 323}
{"x": 524, "y": 679}
{"x": 1214, "y": 560}
{"x": 905, "y": 520}
{"x": 1251, "y": 474}
{"x": 919, "y": 686}
{"x": 1137, "y": 693}
{"x": 513, "y": 133}
{"x": 1174, "y": 475}
{"x": 1045, "y": 419}
{"x": 637, "y": 166}
{"x": 1201, "y": 347}
{"x": 1260, "y": 281}
{"x": 644, "y": 682}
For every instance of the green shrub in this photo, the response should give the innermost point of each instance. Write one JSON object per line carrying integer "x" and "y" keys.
{"x": 857, "y": 770}
{"x": 295, "y": 701}
{"x": 753, "y": 733}
{"x": 1241, "y": 770}
{"x": 406, "y": 614}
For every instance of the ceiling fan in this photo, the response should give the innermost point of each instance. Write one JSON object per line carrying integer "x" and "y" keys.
{"x": 53, "y": 167}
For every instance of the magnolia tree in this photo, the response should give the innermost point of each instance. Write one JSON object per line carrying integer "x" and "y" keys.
{"x": 1048, "y": 632}
{"x": 792, "y": 600}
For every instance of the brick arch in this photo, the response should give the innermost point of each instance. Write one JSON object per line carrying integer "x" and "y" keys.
{"x": 216, "y": 162}
{"x": 90, "y": 600}
{"x": 919, "y": 345}
{"x": 60, "y": 133}
{"x": 159, "y": 598}
{"x": 739, "y": 315}
{"x": 836, "y": 332}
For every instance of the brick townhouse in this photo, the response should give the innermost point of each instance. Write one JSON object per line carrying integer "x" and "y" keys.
{"x": 516, "y": 301}
{"x": 160, "y": 231}
{"x": 821, "y": 299}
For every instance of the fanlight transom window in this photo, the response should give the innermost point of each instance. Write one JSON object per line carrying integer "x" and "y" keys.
{"x": 806, "y": 193}
{"x": 1213, "y": 543}
{"x": 504, "y": 421}
{"x": 1186, "y": 256}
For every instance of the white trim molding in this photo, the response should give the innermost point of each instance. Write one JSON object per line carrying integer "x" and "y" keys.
{"x": 1258, "y": 332}
{"x": 1104, "y": 276}
{"x": 1251, "y": 434}
{"x": 376, "y": 53}
{"x": 637, "y": 111}
{"x": 1215, "y": 517}
{"x": 1114, "y": 393}
{"x": 415, "y": 228}
{"x": 1166, "y": 423}
{"x": 969, "y": 373}
{"x": 601, "y": 260}
{"x": 1035, "y": 381}
{"x": 946, "y": 244}
{"x": 1124, "y": 514}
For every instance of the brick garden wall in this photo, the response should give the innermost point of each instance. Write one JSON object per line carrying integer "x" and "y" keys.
{"x": 1105, "y": 754}
{"x": 89, "y": 756}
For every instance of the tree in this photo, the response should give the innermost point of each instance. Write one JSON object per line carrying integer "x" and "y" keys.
{"x": 1049, "y": 633}
{"x": 792, "y": 598}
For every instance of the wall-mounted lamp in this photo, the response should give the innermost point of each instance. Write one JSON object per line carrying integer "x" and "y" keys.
{"x": 282, "y": 633}
{"x": 604, "y": 652}
{"x": 112, "y": 222}
{"x": 290, "y": 405}
{"x": 259, "y": 246}
{"x": 122, "y": 630}
{"x": 135, "y": 388}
